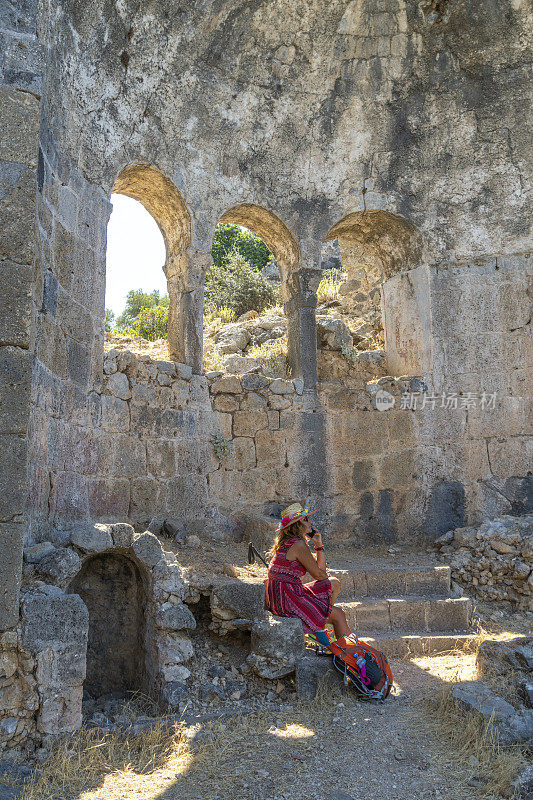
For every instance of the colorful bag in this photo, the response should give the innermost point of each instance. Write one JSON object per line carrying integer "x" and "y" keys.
{"x": 361, "y": 665}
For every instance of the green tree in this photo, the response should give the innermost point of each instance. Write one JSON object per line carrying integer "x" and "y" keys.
{"x": 152, "y": 323}
{"x": 237, "y": 285}
{"x": 109, "y": 319}
{"x": 136, "y": 300}
{"x": 230, "y": 239}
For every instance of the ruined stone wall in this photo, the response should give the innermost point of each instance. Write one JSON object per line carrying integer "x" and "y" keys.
{"x": 382, "y": 125}
{"x": 20, "y": 90}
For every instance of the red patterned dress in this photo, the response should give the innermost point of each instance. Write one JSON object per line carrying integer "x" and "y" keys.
{"x": 289, "y": 597}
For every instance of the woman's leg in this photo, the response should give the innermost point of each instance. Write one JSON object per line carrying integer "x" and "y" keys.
{"x": 335, "y": 589}
{"x": 338, "y": 619}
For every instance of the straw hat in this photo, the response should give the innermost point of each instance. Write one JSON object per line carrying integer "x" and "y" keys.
{"x": 291, "y": 514}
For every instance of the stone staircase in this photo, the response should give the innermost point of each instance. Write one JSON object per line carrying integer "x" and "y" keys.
{"x": 404, "y": 608}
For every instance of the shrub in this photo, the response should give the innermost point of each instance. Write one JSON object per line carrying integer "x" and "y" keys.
{"x": 272, "y": 356}
{"x": 223, "y": 314}
{"x": 328, "y": 288}
{"x": 136, "y": 300}
{"x": 230, "y": 239}
{"x": 238, "y": 286}
{"x": 152, "y": 323}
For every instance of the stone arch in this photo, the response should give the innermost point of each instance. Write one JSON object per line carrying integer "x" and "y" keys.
{"x": 299, "y": 297}
{"x": 274, "y": 232}
{"x": 388, "y": 241}
{"x": 377, "y": 249}
{"x": 161, "y": 198}
{"x": 113, "y": 586}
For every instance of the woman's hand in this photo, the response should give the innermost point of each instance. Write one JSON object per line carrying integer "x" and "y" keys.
{"x": 317, "y": 540}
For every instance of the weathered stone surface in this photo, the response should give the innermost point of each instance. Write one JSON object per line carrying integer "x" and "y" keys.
{"x": 59, "y": 566}
{"x": 238, "y": 600}
{"x": 91, "y": 538}
{"x": 511, "y": 725}
{"x": 175, "y": 617}
{"x": 147, "y": 548}
{"x": 276, "y": 645}
{"x": 11, "y": 537}
{"x": 49, "y": 618}
{"x": 231, "y": 340}
{"x": 122, "y": 534}
{"x": 313, "y": 672}
{"x": 333, "y": 333}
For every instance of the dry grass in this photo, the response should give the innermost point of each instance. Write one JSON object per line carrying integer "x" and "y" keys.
{"x": 83, "y": 761}
{"x": 474, "y": 741}
{"x": 328, "y": 288}
{"x": 272, "y": 356}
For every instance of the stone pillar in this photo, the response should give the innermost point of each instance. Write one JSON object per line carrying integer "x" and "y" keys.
{"x": 185, "y": 277}
{"x": 20, "y": 87}
{"x": 300, "y": 309}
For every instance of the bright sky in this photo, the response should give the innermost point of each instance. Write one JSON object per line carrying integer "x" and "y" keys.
{"x": 135, "y": 253}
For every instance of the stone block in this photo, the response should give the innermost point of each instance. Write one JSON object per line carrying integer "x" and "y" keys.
{"x": 60, "y": 713}
{"x": 171, "y": 616}
{"x": 279, "y": 386}
{"x": 61, "y": 665}
{"x": 15, "y": 324}
{"x": 428, "y": 581}
{"x": 279, "y": 402}
{"x": 115, "y": 414}
{"x": 254, "y": 382}
{"x": 252, "y": 400}
{"x": 91, "y": 538}
{"x": 108, "y": 498}
{"x": 248, "y": 423}
{"x": 129, "y": 456}
{"x": 243, "y": 456}
{"x": 11, "y": 537}
{"x": 148, "y": 550}
{"x": 12, "y": 476}
{"x": 370, "y": 616}
{"x": 408, "y": 615}
{"x": 510, "y": 725}
{"x": 449, "y": 614}
{"x": 19, "y": 126}
{"x": 229, "y": 384}
{"x": 51, "y": 619}
{"x": 15, "y": 386}
{"x": 78, "y": 362}
{"x": 277, "y": 643}
{"x": 225, "y": 403}
{"x": 122, "y": 534}
{"x": 161, "y": 458}
{"x": 270, "y": 447}
{"x": 118, "y": 385}
{"x": 386, "y": 583}
{"x": 238, "y": 601}
{"x": 273, "y": 420}
{"x": 312, "y": 673}
{"x": 59, "y": 567}
{"x": 144, "y": 496}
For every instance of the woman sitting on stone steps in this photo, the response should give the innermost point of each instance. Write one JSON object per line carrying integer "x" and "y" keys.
{"x": 291, "y": 558}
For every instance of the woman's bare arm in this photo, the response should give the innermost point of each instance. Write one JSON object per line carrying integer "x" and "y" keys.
{"x": 304, "y": 555}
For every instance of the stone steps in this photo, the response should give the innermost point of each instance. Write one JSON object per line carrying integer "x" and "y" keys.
{"x": 409, "y": 614}
{"x": 393, "y": 581}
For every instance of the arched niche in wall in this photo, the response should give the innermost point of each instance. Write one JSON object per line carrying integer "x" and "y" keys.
{"x": 281, "y": 242}
{"x": 163, "y": 201}
{"x": 384, "y": 288}
{"x": 113, "y": 587}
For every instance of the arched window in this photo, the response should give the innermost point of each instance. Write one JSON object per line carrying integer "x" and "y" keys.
{"x": 254, "y": 256}
{"x": 165, "y": 205}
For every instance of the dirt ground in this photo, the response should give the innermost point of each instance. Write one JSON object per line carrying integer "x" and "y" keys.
{"x": 334, "y": 748}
